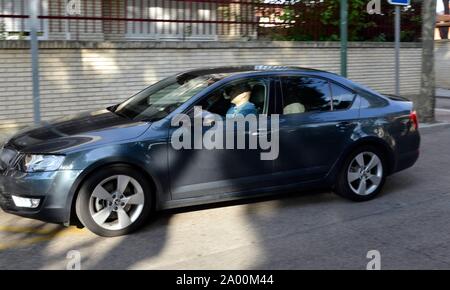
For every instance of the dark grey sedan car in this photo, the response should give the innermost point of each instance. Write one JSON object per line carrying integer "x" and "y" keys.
{"x": 108, "y": 170}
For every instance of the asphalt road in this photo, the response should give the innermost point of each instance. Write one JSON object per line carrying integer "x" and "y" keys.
{"x": 408, "y": 224}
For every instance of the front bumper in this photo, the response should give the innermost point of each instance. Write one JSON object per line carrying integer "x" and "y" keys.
{"x": 53, "y": 188}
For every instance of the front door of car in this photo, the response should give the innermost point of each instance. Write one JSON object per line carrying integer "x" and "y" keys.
{"x": 206, "y": 171}
{"x": 317, "y": 118}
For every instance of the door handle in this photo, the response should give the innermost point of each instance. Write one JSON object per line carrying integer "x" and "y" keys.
{"x": 344, "y": 125}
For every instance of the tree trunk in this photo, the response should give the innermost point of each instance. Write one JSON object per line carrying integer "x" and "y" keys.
{"x": 443, "y": 31}
{"x": 426, "y": 101}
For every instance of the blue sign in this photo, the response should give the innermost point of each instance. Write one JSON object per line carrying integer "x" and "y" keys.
{"x": 400, "y": 2}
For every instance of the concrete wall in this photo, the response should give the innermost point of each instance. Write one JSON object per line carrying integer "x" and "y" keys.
{"x": 442, "y": 58}
{"x": 78, "y": 76}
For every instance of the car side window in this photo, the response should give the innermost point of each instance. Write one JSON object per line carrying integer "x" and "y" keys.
{"x": 252, "y": 93}
{"x": 370, "y": 101}
{"x": 342, "y": 98}
{"x": 305, "y": 94}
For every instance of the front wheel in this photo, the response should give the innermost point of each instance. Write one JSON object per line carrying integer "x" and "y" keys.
{"x": 363, "y": 174}
{"x": 114, "y": 201}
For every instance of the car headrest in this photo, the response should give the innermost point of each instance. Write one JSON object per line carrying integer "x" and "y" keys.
{"x": 294, "y": 108}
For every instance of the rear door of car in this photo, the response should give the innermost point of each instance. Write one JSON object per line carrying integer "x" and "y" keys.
{"x": 317, "y": 120}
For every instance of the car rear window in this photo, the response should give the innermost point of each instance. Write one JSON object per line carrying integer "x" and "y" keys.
{"x": 342, "y": 98}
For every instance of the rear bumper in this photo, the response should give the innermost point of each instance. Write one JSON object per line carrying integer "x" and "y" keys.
{"x": 52, "y": 188}
{"x": 406, "y": 160}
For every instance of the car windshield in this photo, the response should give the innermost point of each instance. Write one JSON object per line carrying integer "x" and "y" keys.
{"x": 162, "y": 98}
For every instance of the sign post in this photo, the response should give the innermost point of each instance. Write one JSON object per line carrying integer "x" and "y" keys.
{"x": 344, "y": 36}
{"x": 397, "y": 4}
{"x": 397, "y": 49}
{"x": 34, "y": 45}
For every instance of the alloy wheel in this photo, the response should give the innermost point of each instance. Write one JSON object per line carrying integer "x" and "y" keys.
{"x": 116, "y": 202}
{"x": 365, "y": 173}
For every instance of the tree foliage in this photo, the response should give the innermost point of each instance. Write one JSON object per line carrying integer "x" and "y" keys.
{"x": 319, "y": 20}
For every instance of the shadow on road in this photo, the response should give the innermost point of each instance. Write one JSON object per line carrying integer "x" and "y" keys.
{"x": 293, "y": 230}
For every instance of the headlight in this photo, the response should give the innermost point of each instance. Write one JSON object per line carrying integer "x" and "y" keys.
{"x": 35, "y": 163}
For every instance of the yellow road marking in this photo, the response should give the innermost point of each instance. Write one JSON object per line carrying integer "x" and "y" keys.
{"x": 31, "y": 230}
{"x": 27, "y": 230}
{"x": 44, "y": 235}
{"x": 24, "y": 242}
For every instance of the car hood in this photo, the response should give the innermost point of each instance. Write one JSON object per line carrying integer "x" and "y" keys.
{"x": 74, "y": 132}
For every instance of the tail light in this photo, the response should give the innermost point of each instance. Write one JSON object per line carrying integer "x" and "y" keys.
{"x": 414, "y": 120}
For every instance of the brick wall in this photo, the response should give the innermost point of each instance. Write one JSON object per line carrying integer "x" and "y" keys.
{"x": 78, "y": 76}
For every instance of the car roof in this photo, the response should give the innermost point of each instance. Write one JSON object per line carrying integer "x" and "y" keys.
{"x": 237, "y": 70}
{"x": 226, "y": 73}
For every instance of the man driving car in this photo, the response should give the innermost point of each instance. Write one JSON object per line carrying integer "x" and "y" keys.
{"x": 240, "y": 99}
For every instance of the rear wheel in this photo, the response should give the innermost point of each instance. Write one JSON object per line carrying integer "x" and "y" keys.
{"x": 114, "y": 201}
{"x": 363, "y": 174}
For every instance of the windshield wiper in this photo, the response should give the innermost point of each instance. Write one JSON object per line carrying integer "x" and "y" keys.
{"x": 149, "y": 119}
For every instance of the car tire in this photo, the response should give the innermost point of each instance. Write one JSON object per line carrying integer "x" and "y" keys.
{"x": 114, "y": 201}
{"x": 362, "y": 175}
